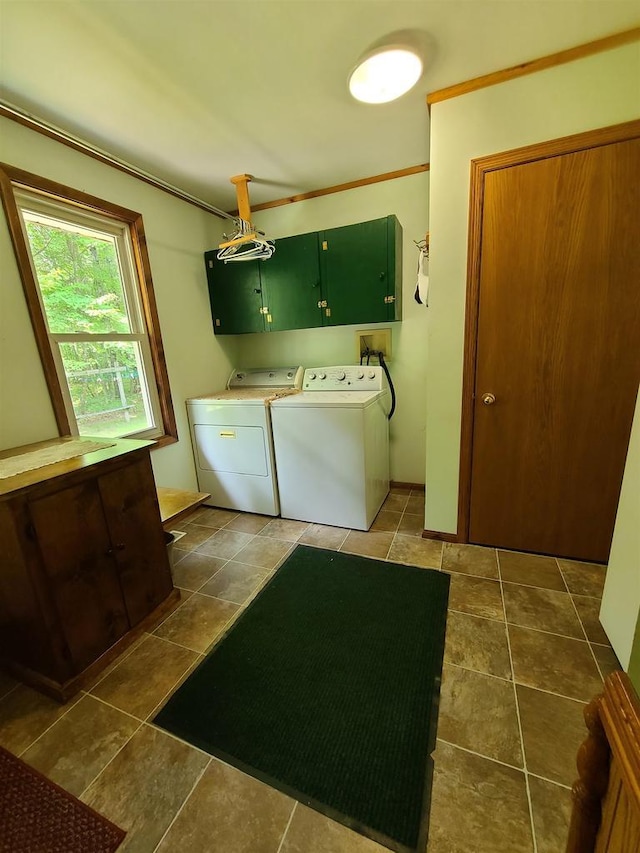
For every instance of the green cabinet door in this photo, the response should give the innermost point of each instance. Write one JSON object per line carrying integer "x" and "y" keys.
{"x": 360, "y": 273}
{"x": 235, "y": 294}
{"x": 290, "y": 281}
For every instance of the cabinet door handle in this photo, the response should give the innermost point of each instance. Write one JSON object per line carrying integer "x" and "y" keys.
{"x": 119, "y": 546}
{"x": 382, "y": 276}
{"x": 257, "y": 290}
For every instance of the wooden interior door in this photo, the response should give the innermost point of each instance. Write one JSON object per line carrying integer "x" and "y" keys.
{"x": 558, "y": 347}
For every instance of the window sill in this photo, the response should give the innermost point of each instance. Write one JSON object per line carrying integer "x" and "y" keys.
{"x": 163, "y": 441}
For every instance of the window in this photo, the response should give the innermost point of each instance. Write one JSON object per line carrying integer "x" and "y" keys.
{"x": 87, "y": 280}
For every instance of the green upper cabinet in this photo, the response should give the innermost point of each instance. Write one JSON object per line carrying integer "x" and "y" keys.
{"x": 361, "y": 273}
{"x": 291, "y": 284}
{"x": 235, "y": 294}
{"x": 336, "y": 277}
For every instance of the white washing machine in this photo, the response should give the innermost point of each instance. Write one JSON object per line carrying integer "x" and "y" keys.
{"x": 332, "y": 446}
{"x": 232, "y": 439}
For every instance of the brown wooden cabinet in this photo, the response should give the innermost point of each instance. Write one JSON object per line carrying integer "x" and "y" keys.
{"x": 83, "y": 563}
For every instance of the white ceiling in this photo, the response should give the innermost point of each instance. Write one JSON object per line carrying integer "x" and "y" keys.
{"x": 194, "y": 91}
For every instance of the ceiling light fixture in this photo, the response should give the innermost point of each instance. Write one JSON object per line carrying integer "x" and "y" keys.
{"x": 385, "y": 73}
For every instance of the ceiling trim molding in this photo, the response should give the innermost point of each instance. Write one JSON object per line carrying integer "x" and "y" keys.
{"x": 339, "y": 188}
{"x": 58, "y": 135}
{"x": 46, "y": 129}
{"x": 535, "y": 65}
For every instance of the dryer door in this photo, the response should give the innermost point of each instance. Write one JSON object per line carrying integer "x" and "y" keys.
{"x": 231, "y": 449}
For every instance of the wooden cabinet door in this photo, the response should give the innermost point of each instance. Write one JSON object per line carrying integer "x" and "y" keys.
{"x": 356, "y": 278}
{"x": 557, "y": 346}
{"x": 133, "y": 518}
{"x": 290, "y": 281}
{"x": 236, "y": 296}
{"x": 77, "y": 557}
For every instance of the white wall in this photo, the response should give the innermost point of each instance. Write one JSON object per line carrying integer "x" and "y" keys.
{"x": 620, "y": 609}
{"x": 177, "y": 234}
{"x": 407, "y": 198}
{"x": 594, "y": 92}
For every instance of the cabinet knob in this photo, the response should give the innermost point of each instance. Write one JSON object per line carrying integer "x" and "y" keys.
{"x": 382, "y": 276}
{"x": 119, "y": 546}
{"x": 257, "y": 290}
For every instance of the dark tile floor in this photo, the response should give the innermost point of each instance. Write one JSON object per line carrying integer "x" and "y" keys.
{"x": 524, "y": 652}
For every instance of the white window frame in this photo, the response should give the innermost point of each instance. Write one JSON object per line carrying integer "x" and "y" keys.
{"x": 29, "y": 193}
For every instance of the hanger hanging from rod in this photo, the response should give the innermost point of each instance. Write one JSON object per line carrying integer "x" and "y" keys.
{"x": 423, "y": 245}
{"x": 246, "y": 243}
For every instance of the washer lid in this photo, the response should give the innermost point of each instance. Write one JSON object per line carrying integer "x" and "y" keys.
{"x": 329, "y": 399}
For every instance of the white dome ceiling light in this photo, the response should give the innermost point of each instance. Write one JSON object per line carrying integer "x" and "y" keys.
{"x": 385, "y": 73}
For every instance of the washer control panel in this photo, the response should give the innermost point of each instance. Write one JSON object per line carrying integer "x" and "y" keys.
{"x": 348, "y": 377}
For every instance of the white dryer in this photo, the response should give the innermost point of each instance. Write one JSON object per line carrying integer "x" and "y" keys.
{"x": 232, "y": 439}
{"x": 332, "y": 446}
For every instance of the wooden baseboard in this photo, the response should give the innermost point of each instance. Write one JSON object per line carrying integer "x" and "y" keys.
{"x": 416, "y": 487}
{"x": 440, "y": 537}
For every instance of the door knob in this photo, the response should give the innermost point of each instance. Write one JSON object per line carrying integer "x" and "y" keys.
{"x": 488, "y": 399}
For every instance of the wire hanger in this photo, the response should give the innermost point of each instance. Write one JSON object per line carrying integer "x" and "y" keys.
{"x": 246, "y": 243}
{"x": 423, "y": 245}
{"x": 421, "y": 294}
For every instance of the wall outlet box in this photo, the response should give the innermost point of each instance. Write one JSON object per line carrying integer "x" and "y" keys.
{"x": 377, "y": 340}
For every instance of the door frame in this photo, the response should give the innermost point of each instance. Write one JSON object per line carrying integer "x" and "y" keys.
{"x": 479, "y": 168}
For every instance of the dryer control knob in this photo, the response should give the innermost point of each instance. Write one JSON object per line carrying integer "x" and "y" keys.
{"x": 340, "y": 376}
{"x": 323, "y": 376}
{"x": 289, "y": 375}
{"x": 372, "y": 375}
{"x": 360, "y": 375}
{"x": 311, "y": 376}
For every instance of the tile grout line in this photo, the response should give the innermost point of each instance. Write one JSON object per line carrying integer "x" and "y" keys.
{"x": 475, "y": 615}
{"x": 156, "y": 728}
{"x": 478, "y": 671}
{"x": 115, "y": 708}
{"x": 520, "y": 683}
{"x": 573, "y": 604}
{"x": 113, "y": 757}
{"x": 184, "y": 802}
{"x": 125, "y": 654}
{"x": 9, "y": 691}
{"x": 551, "y": 781}
{"x": 515, "y": 696}
{"x": 174, "y": 643}
{"x": 286, "y": 829}
{"x": 42, "y": 734}
{"x": 503, "y": 763}
{"x": 211, "y": 577}
{"x": 226, "y": 561}
{"x": 482, "y": 755}
{"x": 176, "y": 686}
{"x": 550, "y": 633}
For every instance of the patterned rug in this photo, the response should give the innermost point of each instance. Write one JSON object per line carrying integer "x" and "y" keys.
{"x": 37, "y": 816}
